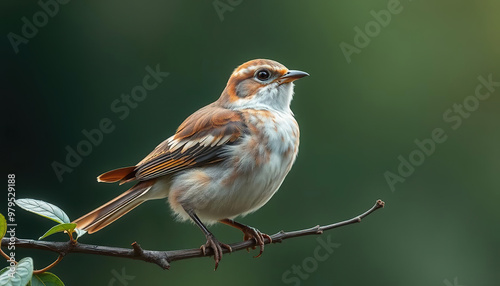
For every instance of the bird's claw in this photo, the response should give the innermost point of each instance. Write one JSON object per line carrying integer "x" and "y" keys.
{"x": 259, "y": 237}
{"x": 216, "y": 247}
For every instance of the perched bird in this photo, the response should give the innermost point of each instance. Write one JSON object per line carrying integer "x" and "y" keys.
{"x": 226, "y": 159}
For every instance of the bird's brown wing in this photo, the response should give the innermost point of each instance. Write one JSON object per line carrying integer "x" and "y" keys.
{"x": 199, "y": 140}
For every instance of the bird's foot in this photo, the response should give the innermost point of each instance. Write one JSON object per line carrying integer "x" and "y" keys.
{"x": 259, "y": 237}
{"x": 216, "y": 246}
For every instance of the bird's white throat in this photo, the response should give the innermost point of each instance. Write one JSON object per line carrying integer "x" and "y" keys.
{"x": 273, "y": 96}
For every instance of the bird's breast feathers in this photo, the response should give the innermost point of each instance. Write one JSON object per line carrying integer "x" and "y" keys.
{"x": 272, "y": 142}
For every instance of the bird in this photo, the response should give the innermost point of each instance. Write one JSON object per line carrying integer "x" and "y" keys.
{"x": 225, "y": 160}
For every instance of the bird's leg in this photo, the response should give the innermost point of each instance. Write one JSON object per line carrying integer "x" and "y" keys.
{"x": 212, "y": 242}
{"x": 249, "y": 233}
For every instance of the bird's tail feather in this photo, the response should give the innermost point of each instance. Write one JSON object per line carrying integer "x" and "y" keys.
{"x": 122, "y": 175}
{"x": 114, "y": 209}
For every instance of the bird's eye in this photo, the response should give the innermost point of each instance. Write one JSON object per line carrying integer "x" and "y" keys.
{"x": 263, "y": 75}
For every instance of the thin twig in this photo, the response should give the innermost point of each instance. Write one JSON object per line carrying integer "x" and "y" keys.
{"x": 5, "y": 255}
{"x": 163, "y": 258}
{"x": 61, "y": 256}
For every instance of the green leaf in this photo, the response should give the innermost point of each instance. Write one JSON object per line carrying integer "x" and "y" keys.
{"x": 46, "y": 279}
{"x": 69, "y": 227}
{"x": 19, "y": 275}
{"x": 3, "y": 226}
{"x": 44, "y": 209}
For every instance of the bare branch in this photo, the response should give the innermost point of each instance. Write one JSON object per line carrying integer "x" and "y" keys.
{"x": 163, "y": 258}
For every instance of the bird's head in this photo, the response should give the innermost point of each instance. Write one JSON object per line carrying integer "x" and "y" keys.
{"x": 260, "y": 84}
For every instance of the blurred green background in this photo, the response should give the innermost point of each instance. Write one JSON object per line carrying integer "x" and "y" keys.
{"x": 440, "y": 226}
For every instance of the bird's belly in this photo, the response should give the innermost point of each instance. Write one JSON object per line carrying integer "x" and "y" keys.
{"x": 225, "y": 191}
{"x": 231, "y": 194}
{"x": 253, "y": 189}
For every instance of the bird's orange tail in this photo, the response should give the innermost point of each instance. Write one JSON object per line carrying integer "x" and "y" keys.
{"x": 121, "y": 175}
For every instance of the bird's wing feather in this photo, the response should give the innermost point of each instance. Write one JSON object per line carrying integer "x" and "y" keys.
{"x": 199, "y": 140}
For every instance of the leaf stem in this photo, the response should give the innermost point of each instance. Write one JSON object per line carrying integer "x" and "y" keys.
{"x": 61, "y": 256}
{"x": 6, "y": 256}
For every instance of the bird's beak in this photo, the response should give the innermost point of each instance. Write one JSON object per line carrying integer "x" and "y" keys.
{"x": 291, "y": 75}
